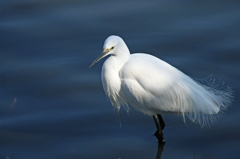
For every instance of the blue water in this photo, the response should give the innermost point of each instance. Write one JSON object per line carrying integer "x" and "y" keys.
{"x": 53, "y": 106}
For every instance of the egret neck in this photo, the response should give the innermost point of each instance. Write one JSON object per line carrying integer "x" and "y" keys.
{"x": 110, "y": 72}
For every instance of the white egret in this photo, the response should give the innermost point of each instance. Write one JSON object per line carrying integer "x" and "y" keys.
{"x": 154, "y": 87}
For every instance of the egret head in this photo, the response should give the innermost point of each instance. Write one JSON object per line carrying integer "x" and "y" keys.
{"x": 110, "y": 46}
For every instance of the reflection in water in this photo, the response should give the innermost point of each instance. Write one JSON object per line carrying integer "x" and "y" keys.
{"x": 160, "y": 149}
{"x": 195, "y": 156}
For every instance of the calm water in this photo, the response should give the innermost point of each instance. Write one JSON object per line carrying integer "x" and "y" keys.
{"x": 53, "y": 107}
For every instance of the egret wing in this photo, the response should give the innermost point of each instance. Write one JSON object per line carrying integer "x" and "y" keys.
{"x": 150, "y": 83}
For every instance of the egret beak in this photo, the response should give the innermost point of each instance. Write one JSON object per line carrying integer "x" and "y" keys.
{"x": 102, "y": 55}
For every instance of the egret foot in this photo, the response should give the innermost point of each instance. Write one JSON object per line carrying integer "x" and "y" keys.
{"x": 160, "y": 126}
{"x": 159, "y": 136}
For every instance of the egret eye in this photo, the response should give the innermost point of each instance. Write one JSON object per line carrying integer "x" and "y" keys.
{"x": 112, "y": 47}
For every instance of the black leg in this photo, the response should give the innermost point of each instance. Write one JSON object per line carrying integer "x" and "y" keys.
{"x": 160, "y": 149}
{"x": 162, "y": 124}
{"x": 158, "y": 133}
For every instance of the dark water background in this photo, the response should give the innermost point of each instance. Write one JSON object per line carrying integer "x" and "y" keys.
{"x": 53, "y": 106}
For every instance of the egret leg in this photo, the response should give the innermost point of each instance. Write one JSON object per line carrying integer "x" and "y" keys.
{"x": 162, "y": 124}
{"x": 159, "y": 133}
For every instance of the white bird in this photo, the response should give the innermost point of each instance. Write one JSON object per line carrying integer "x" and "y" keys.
{"x": 154, "y": 87}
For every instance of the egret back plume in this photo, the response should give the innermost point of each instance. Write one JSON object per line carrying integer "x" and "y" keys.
{"x": 219, "y": 94}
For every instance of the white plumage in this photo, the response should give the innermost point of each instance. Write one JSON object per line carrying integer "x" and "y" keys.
{"x": 153, "y": 86}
